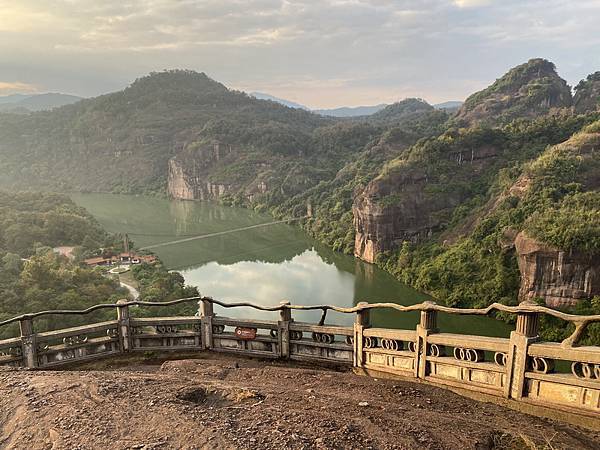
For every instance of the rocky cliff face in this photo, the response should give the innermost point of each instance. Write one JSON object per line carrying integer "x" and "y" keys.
{"x": 404, "y": 205}
{"x": 189, "y": 172}
{"x": 587, "y": 94}
{"x": 529, "y": 90}
{"x": 560, "y": 278}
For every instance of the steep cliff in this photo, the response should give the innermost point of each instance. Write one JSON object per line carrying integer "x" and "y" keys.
{"x": 560, "y": 277}
{"x": 529, "y": 90}
{"x": 587, "y": 94}
{"x": 415, "y": 195}
{"x": 188, "y": 177}
{"x": 510, "y": 180}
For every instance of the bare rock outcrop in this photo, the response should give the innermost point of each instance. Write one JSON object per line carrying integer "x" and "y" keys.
{"x": 561, "y": 278}
{"x": 188, "y": 177}
{"x": 395, "y": 209}
{"x": 404, "y": 205}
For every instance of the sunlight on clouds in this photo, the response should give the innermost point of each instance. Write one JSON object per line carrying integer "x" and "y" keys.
{"x": 318, "y": 52}
{"x": 17, "y": 18}
{"x": 16, "y": 86}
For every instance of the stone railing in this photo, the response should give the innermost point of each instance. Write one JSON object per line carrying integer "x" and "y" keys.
{"x": 520, "y": 370}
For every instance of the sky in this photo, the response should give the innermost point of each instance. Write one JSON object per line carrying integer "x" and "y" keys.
{"x": 321, "y": 53}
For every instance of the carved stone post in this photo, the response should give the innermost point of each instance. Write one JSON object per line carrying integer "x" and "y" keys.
{"x": 206, "y": 317}
{"x": 124, "y": 328}
{"x": 362, "y": 321}
{"x": 516, "y": 365}
{"x": 427, "y": 326}
{"x": 28, "y": 343}
{"x": 283, "y": 331}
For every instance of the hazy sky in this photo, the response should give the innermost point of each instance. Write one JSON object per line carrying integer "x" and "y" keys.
{"x": 321, "y": 53}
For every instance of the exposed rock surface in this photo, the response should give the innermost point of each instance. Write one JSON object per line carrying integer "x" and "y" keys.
{"x": 529, "y": 90}
{"x": 560, "y": 278}
{"x": 188, "y": 177}
{"x": 398, "y": 207}
{"x": 229, "y": 403}
{"x": 587, "y": 94}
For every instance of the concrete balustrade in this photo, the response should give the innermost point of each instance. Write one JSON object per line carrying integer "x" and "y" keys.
{"x": 519, "y": 371}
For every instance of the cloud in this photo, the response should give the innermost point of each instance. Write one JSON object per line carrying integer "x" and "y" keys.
{"x": 321, "y": 52}
{"x": 471, "y": 3}
{"x": 7, "y": 87}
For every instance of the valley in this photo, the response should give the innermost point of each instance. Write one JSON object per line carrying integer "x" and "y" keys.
{"x": 440, "y": 200}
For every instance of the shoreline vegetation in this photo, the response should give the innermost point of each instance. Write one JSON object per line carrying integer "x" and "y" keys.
{"x": 35, "y": 276}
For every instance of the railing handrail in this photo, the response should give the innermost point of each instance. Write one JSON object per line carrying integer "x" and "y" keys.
{"x": 521, "y": 369}
{"x": 580, "y": 321}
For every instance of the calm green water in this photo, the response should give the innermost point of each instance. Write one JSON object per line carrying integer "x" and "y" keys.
{"x": 263, "y": 265}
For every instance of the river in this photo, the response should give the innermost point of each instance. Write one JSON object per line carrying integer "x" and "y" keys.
{"x": 263, "y": 265}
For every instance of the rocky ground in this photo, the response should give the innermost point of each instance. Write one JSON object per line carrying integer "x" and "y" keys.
{"x": 229, "y": 403}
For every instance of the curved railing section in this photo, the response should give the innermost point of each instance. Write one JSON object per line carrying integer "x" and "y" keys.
{"x": 560, "y": 376}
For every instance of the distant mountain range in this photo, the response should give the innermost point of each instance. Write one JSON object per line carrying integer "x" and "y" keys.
{"x": 24, "y": 103}
{"x": 346, "y": 111}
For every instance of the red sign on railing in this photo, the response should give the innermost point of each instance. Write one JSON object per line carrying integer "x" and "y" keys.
{"x": 245, "y": 333}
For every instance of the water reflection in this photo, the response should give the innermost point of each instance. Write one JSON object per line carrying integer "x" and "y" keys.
{"x": 263, "y": 265}
{"x": 305, "y": 279}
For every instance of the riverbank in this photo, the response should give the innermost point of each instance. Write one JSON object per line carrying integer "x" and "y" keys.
{"x": 230, "y": 403}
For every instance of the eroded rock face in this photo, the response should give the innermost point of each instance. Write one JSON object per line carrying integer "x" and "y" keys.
{"x": 399, "y": 206}
{"x": 188, "y": 173}
{"x": 560, "y": 278}
{"x": 393, "y": 210}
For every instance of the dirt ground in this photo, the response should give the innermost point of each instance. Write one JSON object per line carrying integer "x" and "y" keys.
{"x": 234, "y": 403}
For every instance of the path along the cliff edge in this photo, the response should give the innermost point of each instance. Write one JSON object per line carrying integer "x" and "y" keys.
{"x": 234, "y": 403}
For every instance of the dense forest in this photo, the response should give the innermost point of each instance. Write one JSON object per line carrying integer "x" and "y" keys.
{"x": 35, "y": 278}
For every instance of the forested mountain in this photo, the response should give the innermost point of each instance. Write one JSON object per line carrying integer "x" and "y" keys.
{"x": 444, "y": 201}
{"x": 122, "y": 142}
{"x": 36, "y": 102}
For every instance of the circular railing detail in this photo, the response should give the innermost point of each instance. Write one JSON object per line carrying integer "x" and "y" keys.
{"x": 500, "y": 358}
{"x": 469, "y": 354}
{"x": 436, "y": 350}
{"x": 370, "y": 342}
{"x": 542, "y": 365}
{"x": 392, "y": 344}
{"x": 166, "y": 329}
{"x": 12, "y": 351}
{"x": 323, "y": 338}
{"x": 218, "y": 329}
{"x": 75, "y": 340}
{"x": 295, "y": 335}
{"x": 587, "y": 371}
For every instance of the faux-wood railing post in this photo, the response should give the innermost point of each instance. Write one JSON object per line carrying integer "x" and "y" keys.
{"x": 124, "y": 325}
{"x": 427, "y": 326}
{"x": 28, "y": 343}
{"x": 362, "y": 321}
{"x": 206, "y": 317}
{"x": 283, "y": 331}
{"x": 525, "y": 334}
